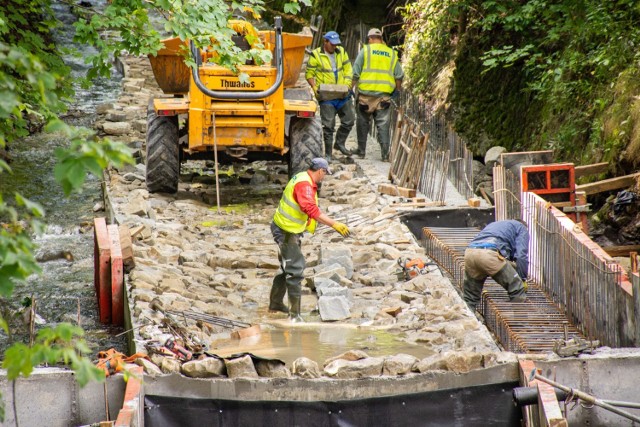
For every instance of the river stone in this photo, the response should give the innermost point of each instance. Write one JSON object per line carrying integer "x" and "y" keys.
{"x": 272, "y": 369}
{"x": 461, "y": 363}
{"x": 116, "y": 116}
{"x": 103, "y": 108}
{"x": 369, "y": 367}
{"x": 170, "y": 365}
{"x": 148, "y": 366}
{"x": 116, "y": 128}
{"x": 193, "y": 256}
{"x": 399, "y": 364}
{"x": 330, "y": 270}
{"x": 498, "y": 358}
{"x": 436, "y": 362}
{"x": 206, "y": 368}
{"x": 306, "y": 368}
{"x": 333, "y": 308}
{"x": 492, "y": 155}
{"x": 348, "y": 355}
{"x": 241, "y": 367}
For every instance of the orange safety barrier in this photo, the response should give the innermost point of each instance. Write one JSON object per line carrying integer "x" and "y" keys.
{"x": 102, "y": 269}
{"x": 109, "y": 272}
{"x": 117, "y": 276}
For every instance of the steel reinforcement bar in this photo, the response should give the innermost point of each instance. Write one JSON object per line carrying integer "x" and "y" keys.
{"x": 446, "y": 156}
{"x": 529, "y": 327}
{"x": 582, "y": 280}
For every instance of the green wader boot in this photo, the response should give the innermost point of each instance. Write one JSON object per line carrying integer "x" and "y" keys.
{"x": 509, "y": 279}
{"x": 472, "y": 291}
{"x": 294, "y": 309}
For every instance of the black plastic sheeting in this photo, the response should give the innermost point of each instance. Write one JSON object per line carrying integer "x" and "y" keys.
{"x": 447, "y": 217}
{"x": 487, "y": 405}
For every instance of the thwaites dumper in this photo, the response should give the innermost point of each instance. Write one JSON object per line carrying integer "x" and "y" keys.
{"x": 211, "y": 109}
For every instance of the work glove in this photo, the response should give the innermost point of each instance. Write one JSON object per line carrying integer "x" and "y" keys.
{"x": 525, "y": 285}
{"x": 341, "y": 228}
{"x": 395, "y": 95}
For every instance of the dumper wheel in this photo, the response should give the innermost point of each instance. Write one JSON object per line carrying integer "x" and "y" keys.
{"x": 305, "y": 143}
{"x": 163, "y": 153}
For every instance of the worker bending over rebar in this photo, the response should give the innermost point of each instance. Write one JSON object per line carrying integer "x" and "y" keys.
{"x": 501, "y": 251}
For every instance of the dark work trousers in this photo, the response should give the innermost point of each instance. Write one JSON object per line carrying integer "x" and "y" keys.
{"x": 347, "y": 116}
{"x": 292, "y": 264}
{"x": 482, "y": 263}
{"x": 382, "y": 120}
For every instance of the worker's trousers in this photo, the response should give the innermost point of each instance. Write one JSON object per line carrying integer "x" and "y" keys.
{"x": 347, "y": 120}
{"x": 382, "y": 120}
{"x": 482, "y": 263}
{"x": 292, "y": 264}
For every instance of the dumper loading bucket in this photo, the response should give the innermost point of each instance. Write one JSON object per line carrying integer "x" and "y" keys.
{"x": 169, "y": 69}
{"x": 172, "y": 75}
{"x": 293, "y": 47}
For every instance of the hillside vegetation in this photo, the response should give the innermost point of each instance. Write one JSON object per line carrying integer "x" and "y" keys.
{"x": 532, "y": 75}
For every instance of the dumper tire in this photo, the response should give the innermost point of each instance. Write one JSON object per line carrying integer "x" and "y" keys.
{"x": 305, "y": 143}
{"x": 163, "y": 153}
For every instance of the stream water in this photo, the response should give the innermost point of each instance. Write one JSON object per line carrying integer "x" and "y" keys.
{"x": 64, "y": 291}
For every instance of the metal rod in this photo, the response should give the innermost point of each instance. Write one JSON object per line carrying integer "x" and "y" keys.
{"x": 586, "y": 397}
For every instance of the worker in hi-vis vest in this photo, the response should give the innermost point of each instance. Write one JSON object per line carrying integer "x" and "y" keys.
{"x": 297, "y": 212}
{"x": 330, "y": 64}
{"x": 377, "y": 75}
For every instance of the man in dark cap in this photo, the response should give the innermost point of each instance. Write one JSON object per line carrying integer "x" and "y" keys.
{"x": 330, "y": 64}
{"x": 297, "y": 212}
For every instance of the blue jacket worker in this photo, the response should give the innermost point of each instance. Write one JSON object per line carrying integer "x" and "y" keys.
{"x": 501, "y": 251}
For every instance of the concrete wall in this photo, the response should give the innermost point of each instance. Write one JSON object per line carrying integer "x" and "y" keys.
{"x": 51, "y": 397}
{"x": 609, "y": 375}
{"x": 298, "y": 389}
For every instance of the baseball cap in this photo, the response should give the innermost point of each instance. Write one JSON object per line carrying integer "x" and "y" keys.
{"x": 333, "y": 37}
{"x": 320, "y": 163}
{"x": 374, "y": 32}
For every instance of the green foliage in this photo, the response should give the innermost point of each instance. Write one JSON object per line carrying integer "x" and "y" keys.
{"x": 62, "y": 344}
{"x": 565, "y": 56}
{"x": 129, "y": 23}
{"x": 34, "y": 86}
{"x": 86, "y": 152}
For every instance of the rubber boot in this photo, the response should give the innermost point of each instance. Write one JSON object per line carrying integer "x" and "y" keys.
{"x": 327, "y": 150}
{"x": 472, "y": 291}
{"x": 384, "y": 150}
{"x": 294, "y": 309}
{"x": 276, "y": 297}
{"x": 342, "y": 149}
{"x": 509, "y": 279}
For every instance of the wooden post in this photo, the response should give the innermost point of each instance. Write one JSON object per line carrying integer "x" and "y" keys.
{"x": 117, "y": 277}
{"x": 102, "y": 269}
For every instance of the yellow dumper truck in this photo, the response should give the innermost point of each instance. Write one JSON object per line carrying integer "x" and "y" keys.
{"x": 213, "y": 110}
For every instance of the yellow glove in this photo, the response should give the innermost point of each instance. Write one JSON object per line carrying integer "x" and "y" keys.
{"x": 341, "y": 228}
{"x": 525, "y": 286}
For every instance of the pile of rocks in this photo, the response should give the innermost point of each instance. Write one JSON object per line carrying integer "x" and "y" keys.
{"x": 352, "y": 364}
{"x": 192, "y": 256}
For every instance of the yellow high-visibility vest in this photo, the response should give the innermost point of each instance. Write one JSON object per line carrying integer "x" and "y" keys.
{"x": 289, "y": 216}
{"x": 319, "y": 67}
{"x": 377, "y": 69}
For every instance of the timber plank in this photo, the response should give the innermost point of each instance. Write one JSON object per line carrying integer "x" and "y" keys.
{"x": 609, "y": 184}
{"x": 592, "y": 169}
{"x": 618, "y": 251}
